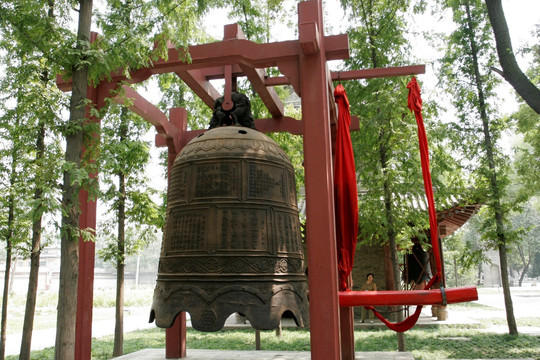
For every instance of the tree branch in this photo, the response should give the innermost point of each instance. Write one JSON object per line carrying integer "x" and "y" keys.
{"x": 511, "y": 70}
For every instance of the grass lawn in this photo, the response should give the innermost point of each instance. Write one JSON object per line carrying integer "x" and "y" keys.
{"x": 425, "y": 343}
{"x": 442, "y": 341}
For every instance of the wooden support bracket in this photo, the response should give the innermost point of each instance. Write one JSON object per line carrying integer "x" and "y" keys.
{"x": 197, "y": 81}
{"x": 309, "y": 38}
{"x": 268, "y": 95}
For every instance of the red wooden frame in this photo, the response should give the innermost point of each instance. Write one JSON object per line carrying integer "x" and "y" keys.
{"x": 303, "y": 63}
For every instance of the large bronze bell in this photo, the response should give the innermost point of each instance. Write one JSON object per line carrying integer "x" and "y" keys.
{"x": 232, "y": 239}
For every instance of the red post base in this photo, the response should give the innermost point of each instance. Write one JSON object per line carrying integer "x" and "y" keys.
{"x": 175, "y": 338}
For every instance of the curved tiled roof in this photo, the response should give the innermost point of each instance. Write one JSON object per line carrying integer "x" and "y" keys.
{"x": 451, "y": 213}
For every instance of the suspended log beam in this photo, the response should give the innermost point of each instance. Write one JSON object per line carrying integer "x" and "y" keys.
{"x": 413, "y": 297}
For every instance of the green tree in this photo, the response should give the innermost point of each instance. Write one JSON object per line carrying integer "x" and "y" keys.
{"x": 465, "y": 73}
{"x": 257, "y": 18}
{"x": 462, "y": 258}
{"x": 383, "y": 159}
{"x": 73, "y": 175}
{"x": 119, "y": 47}
{"x": 524, "y": 251}
{"x": 27, "y": 72}
{"x": 124, "y": 157}
{"x": 14, "y": 227}
{"x": 535, "y": 272}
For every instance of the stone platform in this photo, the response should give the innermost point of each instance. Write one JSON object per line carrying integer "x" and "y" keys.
{"x": 159, "y": 354}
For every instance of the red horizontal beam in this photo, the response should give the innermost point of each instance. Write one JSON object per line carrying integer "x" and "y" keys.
{"x": 379, "y": 72}
{"x": 412, "y": 297}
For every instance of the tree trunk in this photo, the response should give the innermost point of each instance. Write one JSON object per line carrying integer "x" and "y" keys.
{"x": 69, "y": 258}
{"x": 119, "y": 323}
{"x": 510, "y": 319}
{"x": 31, "y": 296}
{"x": 455, "y": 272}
{"x": 510, "y": 68}
{"x": 5, "y": 300}
{"x": 372, "y": 36}
{"x": 120, "y": 258}
{"x": 121, "y": 255}
{"x": 526, "y": 263}
{"x": 494, "y": 184}
{"x": 9, "y": 249}
{"x": 391, "y": 238}
{"x": 479, "y": 281}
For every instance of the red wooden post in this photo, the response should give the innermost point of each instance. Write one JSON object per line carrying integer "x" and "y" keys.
{"x": 346, "y": 322}
{"x": 85, "y": 284}
{"x": 175, "y": 336}
{"x": 346, "y": 317}
{"x": 322, "y": 262}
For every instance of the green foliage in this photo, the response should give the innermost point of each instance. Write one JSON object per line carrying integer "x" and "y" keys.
{"x": 523, "y": 252}
{"x": 379, "y": 105}
{"x": 125, "y": 154}
{"x": 376, "y": 32}
{"x": 257, "y": 18}
{"x": 461, "y": 259}
{"x": 386, "y": 147}
{"x": 466, "y": 74}
{"x": 535, "y": 271}
{"x": 29, "y": 110}
{"x": 175, "y": 93}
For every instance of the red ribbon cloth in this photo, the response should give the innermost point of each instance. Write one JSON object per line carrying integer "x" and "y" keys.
{"x": 403, "y": 326}
{"x": 415, "y": 105}
{"x": 345, "y": 192}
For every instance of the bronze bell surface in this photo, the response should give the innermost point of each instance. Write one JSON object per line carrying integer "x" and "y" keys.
{"x": 232, "y": 239}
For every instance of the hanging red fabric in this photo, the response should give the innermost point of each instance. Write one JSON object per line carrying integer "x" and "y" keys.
{"x": 345, "y": 191}
{"x": 415, "y": 105}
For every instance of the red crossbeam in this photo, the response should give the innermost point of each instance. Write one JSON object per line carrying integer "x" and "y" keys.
{"x": 413, "y": 297}
{"x": 378, "y": 72}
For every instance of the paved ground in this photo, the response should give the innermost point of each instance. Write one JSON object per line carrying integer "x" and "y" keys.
{"x": 159, "y": 354}
{"x": 526, "y": 302}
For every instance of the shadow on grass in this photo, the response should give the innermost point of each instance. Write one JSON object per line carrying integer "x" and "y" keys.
{"x": 457, "y": 342}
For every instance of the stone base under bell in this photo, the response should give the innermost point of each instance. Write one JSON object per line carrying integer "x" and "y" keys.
{"x": 262, "y": 303}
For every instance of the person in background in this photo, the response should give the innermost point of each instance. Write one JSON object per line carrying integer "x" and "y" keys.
{"x": 368, "y": 285}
